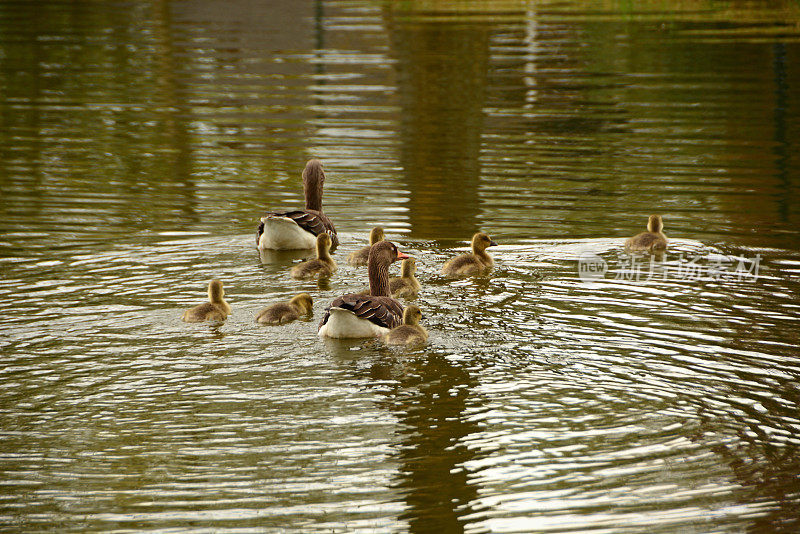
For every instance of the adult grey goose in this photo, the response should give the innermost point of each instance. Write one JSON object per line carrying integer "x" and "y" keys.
{"x": 297, "y": 229}
{"x": 355, "y": 315}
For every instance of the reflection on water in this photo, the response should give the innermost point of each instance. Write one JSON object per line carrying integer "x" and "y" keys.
{"x": 141, "y": 142}
{"x": 442, "y": 78}
{"x": 429, "y": 397}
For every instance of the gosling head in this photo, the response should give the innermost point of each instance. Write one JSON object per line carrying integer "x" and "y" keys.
{"x": 376, "y": 235}
{"x": 481, "y": 241}
{"x": 302, "y": 302}
{"x": 215, "y": 291}
{"x": 412, "y": 315}
{"x": 323, "y": 243}
{"x": 655, "y": 224}
{"x": 408, "y": 267}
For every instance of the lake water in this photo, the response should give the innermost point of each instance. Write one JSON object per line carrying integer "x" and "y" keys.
{"x": 141, "y": 141}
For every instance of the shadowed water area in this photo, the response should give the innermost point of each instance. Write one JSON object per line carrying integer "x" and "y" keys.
{"x": 140, "y": 142}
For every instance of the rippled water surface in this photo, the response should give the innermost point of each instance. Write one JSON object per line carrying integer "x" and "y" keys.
{"x": 141, "y": 141}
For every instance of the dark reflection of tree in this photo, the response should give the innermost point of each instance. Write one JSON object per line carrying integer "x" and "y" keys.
{"x": 258, "y": 110}
{"x": 175, "y": 120}
{"x": 769, "y": 470}
{"x": 21, "y": 80}
{"x": 782, "y": 160}
{"x": 442, "y": 77}
{"x": 112, "y": 111}
{"x": 430, "y": 402}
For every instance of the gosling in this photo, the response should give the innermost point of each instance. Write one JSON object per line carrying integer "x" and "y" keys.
{"x": 216, "y": 309}
{"x": 476, "y": 262}
{"x": 406, "y": 285}
{"x": 286, "y": 312}
{"x": 322, "y": 266}
{"x": 359, "y": 257}
{"x": 410, "y": 332}
{"x": 652, "y": 240}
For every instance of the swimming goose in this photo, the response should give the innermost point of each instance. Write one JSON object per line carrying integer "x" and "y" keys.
{"x": 284, "y": 312}
{"x": 216, "y": 309}
{"x": 322, "y": 266}
{"x": 410, "y": 331}
{"x": 354, "y": 315}
{"x": 475, "y": 262}
{"x": 359, "y": 257}
{"x": 297, "y": 229}
{"x": 651, "y": 240}
{"x": 406, "y": 285}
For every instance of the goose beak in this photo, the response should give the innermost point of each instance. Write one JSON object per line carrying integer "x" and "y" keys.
{"x": 492, "y": 243}
{"x": 401, "y": 256}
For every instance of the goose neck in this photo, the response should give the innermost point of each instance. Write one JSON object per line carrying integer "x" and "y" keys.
{"x": 378, "y": 279}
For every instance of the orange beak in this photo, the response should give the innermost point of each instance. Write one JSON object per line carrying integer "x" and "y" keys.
{"x": 401, "y": 256}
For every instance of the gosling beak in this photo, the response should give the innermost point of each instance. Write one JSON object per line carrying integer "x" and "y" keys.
{"x": 492, "y": 243}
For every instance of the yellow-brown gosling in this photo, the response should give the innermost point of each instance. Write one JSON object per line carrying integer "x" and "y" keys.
{"x": 285, "y": 312}
{"x": 651, "y": 240}
{"x": 322, "y": 266}
{"x": 406, "y": 285}
{"x": 360, "y": 256}
{"x": 410, "y": 331}
{"x": 216, "y": 309}
{"x": 477, "y": 261}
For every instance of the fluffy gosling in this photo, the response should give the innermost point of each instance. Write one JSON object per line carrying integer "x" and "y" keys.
{"x": 477, "y": 261}
{"x": 216, "y": 309}
{"x": 285, "y": 312}
{"x": 410, "y": 332}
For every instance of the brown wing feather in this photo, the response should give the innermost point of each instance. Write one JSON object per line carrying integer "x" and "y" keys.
{"x": 312, "y": 221}
{"x": 382, "y": 311}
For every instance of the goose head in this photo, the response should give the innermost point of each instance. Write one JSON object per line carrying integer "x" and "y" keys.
{"x": 384, "y": 253}
{"x": 381, "y": 255}
{"x": 313, "y": 180}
